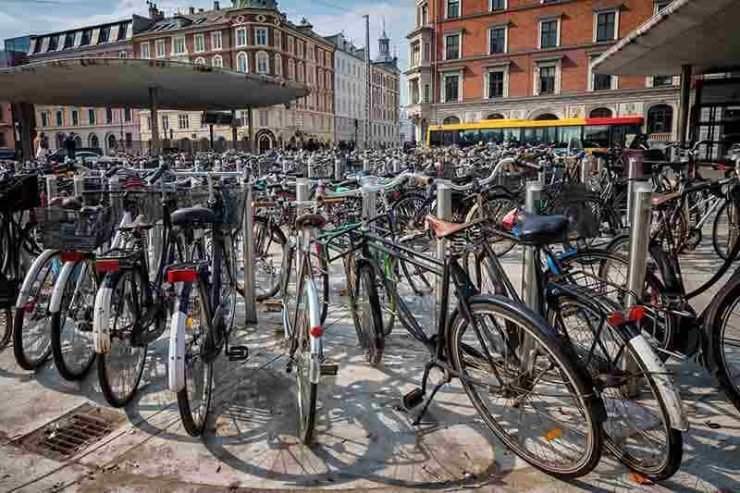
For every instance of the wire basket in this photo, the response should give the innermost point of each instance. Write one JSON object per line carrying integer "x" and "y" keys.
{"x": 232, "y": 201}
{"x": 78, "y": 230}
{"x": 20, "y": 193}
{"x": 594, "y": 287}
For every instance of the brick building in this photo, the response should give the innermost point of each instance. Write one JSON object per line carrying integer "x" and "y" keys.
{"x": 529, "y": 59}
{"x": 253, "y": 36}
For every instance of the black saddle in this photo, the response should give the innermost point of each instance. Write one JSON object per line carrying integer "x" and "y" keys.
{"x": 192, "y": 216}
{"x": 310, "y": 221}
{"x": 542, "y": 230}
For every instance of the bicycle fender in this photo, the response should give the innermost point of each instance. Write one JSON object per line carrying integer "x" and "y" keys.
{"x": 101, "y": 317}
{"x": 667, "y": 389}
{"x": 314, "y": 313}
{"x": 58, "y": 292}
{"x": 176, "y": 359}
{"x": 27, "y": 285}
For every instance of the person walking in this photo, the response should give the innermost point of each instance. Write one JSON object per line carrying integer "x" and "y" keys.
{"x": 43, "y": 149}
{"x": 70, "y": 146}
{"x": 37, "y": 142}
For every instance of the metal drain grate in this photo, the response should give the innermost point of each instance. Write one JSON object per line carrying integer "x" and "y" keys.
{"x": 73, "y": 432}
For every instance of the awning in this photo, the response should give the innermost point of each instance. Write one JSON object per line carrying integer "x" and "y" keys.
{"x": 700, "y": 33}
{"x": 125, "y": 82}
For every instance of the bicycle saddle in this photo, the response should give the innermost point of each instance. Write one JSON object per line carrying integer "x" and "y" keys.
{"x": 659, "y": 200}
{"x": 541, "y": 230}
{"x": 310, "y": 221}
{"x": 191, "y": 216}
{"x": 443, "y": 229}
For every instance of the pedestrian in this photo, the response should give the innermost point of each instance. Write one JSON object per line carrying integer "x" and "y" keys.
{"x": 37, "y": 142}
{"x": 71, "y": 146}
{"x": 43, "y": 149}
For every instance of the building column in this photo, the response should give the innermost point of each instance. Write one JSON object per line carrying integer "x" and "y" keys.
{"x": 250, "y": 117}
{"x": 684, "y": 104}
{"x": 154, "y": 113}
{"x": 233, "y": 129}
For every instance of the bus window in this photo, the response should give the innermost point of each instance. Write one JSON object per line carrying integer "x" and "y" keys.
{"x": 448, "y": 137}
{"x": 620, "y": 133}
{"x": 512, "y": 136}
{"x": 596, "y": 136}
{"x": 570, "y": 137}
{"x": 435, "y": 138}
{"x": 541, "y": 135}
{"x": 492, "y": 135}
{"x": 468, "y": 138}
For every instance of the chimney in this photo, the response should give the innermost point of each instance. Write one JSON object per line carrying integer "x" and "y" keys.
{"x": 191, "y": 10}
{"x": 216, "y": 5}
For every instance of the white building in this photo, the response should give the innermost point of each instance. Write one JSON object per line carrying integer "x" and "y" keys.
{"x": 349, "y": 92}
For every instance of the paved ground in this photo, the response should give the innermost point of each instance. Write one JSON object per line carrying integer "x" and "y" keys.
{"x": 365, "y": 439}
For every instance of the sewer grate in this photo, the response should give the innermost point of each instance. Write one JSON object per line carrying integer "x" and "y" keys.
{"x": 73, "y": 432}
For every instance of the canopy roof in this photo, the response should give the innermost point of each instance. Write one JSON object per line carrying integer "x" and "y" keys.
{"x": 125, "y": 82}
{"x": 700, "y": 33}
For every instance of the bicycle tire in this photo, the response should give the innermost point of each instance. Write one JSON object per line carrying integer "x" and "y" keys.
{"x": 65, "y": 352}
{"x": 306, "y": 388}
{"x": 366, "y": 314}
{"x": 194, "y": 421}
{"x": 589, "y": 409}
{"x": 120, "y": 336}
{"x": 716, "y": 324}
{"x": 6, "y": 327}
{"x": 265, "y": 235}
{"x": 723, "y": 248}
{"x": 38, "y": 303}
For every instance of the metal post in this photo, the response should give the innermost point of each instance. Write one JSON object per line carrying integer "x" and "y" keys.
{"x": 633, "y": 174}
{"x": 250, "y": 117}
{"x": 338, "y": 169}
{"x": 529, "y": 271}
{"x": 233, "y": 129}
{"x": 78, "y": 183}
{"x": 444, "y": 212}
{"x": 586, "y": 167}
{"x": 369, "y": 205}
{"x": 51, "y": 187}
{"x": 154, "y": 114}
{"x": 248, "y": 254}
{"x": 309, "y": 166}
{"x": 684, "y": 103}
{"x": 366, "y": 165}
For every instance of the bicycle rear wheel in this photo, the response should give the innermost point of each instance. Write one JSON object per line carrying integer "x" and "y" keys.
{"x": 366, "y": 313}
{"x": 723, "y": 327}
{"x": 725, "y": 229}
{"x": 269, "y": 248}
{"x": 534, "y": 395}
{"x": 121, "y": 368}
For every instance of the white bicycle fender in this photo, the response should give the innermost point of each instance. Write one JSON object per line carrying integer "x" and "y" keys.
{"x": 176, "y": 360}
{"x": 665, "y": 385}
{"x": 27, "y": 285}
{"x": 58, "y": 293}
{"x": 314, "y": 311}
{"x": 101, "y": 319}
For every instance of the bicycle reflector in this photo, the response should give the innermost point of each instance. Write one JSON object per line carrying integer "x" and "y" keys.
{"x": 637, "y": 313}
{"x": 108, "y": 265}
{"x": 510, "y": 219}
{"x": 71, "y": 256}
{"x": 317, "y": 331}
{"x": 182, "y": 275}
{"x": 616, "y": 319}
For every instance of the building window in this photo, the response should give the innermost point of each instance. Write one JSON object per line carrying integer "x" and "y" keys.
{"x": 497, "y": 40}
{"x": 217, "y": 61}
{"x": 260, "y": 36}
{"x": 122, "y": 31}
{"x": 122, "y": 54}
{"x": 60, "y": 118}
{"x": 495, "y": 84}
{"x": 451, "y": 120}
{"x": 127, "y": 115}
{"x": 299, "y": 72}
{"x": 278, "y": 65}
{"x": 424, "y": 14}
{"x": 453, "y": 9}
{"x": 299, "y": 44}
{"x": 549, "y": 34}
{"x": 264, "y": 118}
{"x": 183, "y": 121}
{"x": 216, "y": 40}
{"x": 602, "y": 82}
{"x": 452, "y": 46}
{"x": 44, "y": 119}
{"x": 159, "y": 47}
{"x": 75, "y": 118}
{"x": 427, "y": 93}
{"x": 200, "y": 61}
{"x": 108, "y": 115}
{"x": 69, "y": 41}
{"x": 660, "y": 5}
{"x": 451, "y": 87}
{"x": 415, "y": 53}
{"x": 606, "y": 26}
{"x": 663, "y": 81}
{"x": 53, "y": 43}
{"x": 498, "y": 5}
{"x": 86, "y": 37}
{"x": 291, "y": 45}
{"x": 546, "y": 79}
{"x": 601, "y": 113}
{"x": 165, "y": 122}
{"x": 660, "y": 119}
{"x": 263, "y": 63}
{"x": 242, "y": 63}
{"x": 104, "y": 34}
{"x": 199, "y": 43}
{"x": 178, "y": 46}
{"x": 291, "y": 69}
{"x": 278, "y": 39}
{"x": 144, "y": 50}
{"x": 91, "y": 116}
{"x": 241, "y": 37}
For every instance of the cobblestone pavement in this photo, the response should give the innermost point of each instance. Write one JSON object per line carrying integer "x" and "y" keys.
{"x": 365, "y": 439}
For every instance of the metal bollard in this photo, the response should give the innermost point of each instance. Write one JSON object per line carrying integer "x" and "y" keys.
{"x": 369, "y": 205}
{"x": 586, "y": 168}
{"x": 444, "y": 212}
{"x": 632, "y": 176}
{"x": 309, "y": 164}
{"x": 51, "y": 186}
{"x": 78, "y": 184}
{"x": 248, "y": 256}
{"x": 366, "y": 165}
{"x": 338, "y": 169}
{"x": 530, "y": 292}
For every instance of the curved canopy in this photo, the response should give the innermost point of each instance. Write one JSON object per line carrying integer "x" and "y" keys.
{"x": 125, "y": 82}
{"x": 700, "y": 33}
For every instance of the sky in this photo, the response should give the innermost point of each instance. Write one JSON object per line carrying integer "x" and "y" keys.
{"x": 20, "y": 17}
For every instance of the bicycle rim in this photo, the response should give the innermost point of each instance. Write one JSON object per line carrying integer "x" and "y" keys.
{"x": 306, "y": 388}
{"x": 32, "y": 331}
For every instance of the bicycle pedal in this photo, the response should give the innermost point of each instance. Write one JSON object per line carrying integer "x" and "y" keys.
{"x": 237, "y": 353}
{"x": 329, "y": 369}
{"x": 413, "y": 398}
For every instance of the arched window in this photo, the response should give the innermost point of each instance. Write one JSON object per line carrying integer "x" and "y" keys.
{"x": 263, "y": 63}
{"x": 60, "y": 141}
{"x": 601, "y": 113}
{"x": 200, "y": 61}
{"x": 78, "y": 141}
{"x": 291, "y": 69}
{"x": 94, "y": 142}
{"x": 660, "y": 119}
{"x": 217, "y": 61}
{"x": 451, "y": 120}
{"x": 278, "y": 65}
{"x": 242, "y": 63}
{"x": 546, "y": 116}
{"x": 111, "y": 142}
{"x": 495, "y": 116}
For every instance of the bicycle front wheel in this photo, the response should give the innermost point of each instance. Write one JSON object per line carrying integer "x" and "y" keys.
{"x": 528, "y": 387}
{"x": 307, "y": 364}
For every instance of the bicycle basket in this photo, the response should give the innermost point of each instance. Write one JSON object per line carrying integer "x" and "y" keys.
{"x": 233, "y": 202}
{"x": 20, "y": 193}
{"x": 79, "y": 230}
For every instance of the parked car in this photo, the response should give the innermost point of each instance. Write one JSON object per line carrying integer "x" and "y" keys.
{"x": 82, "y": 155}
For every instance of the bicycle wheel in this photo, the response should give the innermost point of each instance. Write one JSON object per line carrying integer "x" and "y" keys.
{"x": 31, "y": 330}
{"x": 194, "y": 399}
{"x": 725, "y": 229}
{"x": 535, "y": 397}
{"x": 269, "y": 250}
{"x": 71, "y": 327}
{"x": 637, "y": 430}
{"x": 6, "y": 327}
{"x": 121, "y": 368}
{"x": 366, "y": 314}
{"x": 307, "y": 368}
{"x": 723, "y": 326}
{"x": 495, "y": 208}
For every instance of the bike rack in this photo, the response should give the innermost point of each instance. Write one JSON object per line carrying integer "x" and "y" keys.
{"x": 530, "y": 292}
{"x": 338, "y": 169}
{"x": 248, "y": 256}
{"x": 51, "y": 186}
{"x": 633, "y": 176}
{"x": 444, "y": 212}
{"x": 586, "y": 168}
